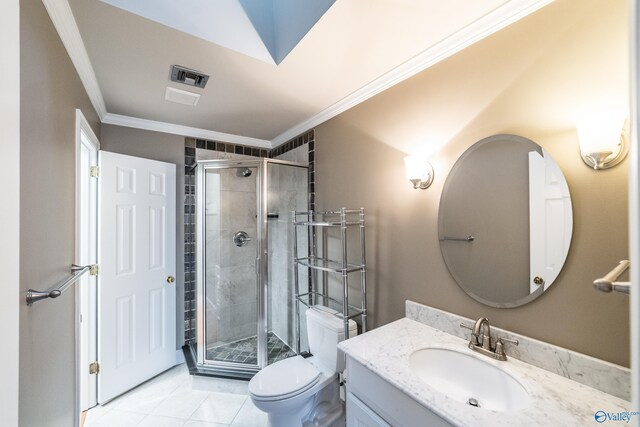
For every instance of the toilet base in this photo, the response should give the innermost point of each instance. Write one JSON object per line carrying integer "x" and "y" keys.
{"x": 326, "y": 409}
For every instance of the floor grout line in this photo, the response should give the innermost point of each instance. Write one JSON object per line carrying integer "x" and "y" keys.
{"x": 199, "y": 406}
{"x": 239, "y": 410}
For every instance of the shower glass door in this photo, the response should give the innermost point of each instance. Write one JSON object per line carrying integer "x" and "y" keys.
{"x": 287, "y": 191}
{"x": 231, "y": 292}
{"x": 245, "y": 309}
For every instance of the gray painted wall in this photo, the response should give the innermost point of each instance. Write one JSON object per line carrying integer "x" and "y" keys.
{"x": 532, "y": 78}
{"x": 50, "y": 92}
{"x": 165, "y": 148}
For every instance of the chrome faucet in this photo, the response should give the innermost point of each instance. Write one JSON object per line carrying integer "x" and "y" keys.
{"x": 480, "y": 340}
{"x": 484, "y": 340}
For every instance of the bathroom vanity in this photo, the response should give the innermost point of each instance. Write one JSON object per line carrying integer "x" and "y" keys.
{"x": 387, "y": 406}
{"x": 392, "y": 381}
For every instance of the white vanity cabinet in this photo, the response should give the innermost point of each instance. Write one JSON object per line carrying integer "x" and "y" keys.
{"x": 373, "y": 402}
{"x": 360, "y": 415}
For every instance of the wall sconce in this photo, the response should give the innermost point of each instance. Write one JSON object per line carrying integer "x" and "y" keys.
{"x": 602, "y": 138}
{"x": 419, "y": 172}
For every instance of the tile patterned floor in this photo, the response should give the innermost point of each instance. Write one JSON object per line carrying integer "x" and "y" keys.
{"x": 176, "y": 399}
{"x": 245, "y": 350}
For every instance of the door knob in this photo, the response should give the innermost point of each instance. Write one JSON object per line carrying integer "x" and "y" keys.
{"x": 171, "y": 279}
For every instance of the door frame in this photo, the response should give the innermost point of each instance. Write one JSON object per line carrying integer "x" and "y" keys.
{"x": 85, "y": 301}
{"x": 12, "y": 296}
{"x": 634, "y": 204}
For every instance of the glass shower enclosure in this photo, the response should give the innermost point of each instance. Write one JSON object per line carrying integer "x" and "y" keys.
{"x": 245, "y": 308}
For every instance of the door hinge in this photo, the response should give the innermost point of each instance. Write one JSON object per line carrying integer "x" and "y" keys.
{"x": 93, "y": 271}
{"x": 94, "y": 171}
{"x": 94, "y": 368}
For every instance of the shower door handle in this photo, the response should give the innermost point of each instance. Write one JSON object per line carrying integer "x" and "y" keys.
{"x": 241, "y": 238}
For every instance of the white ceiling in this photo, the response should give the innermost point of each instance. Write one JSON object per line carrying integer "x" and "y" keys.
{"x": 356, "y": 49}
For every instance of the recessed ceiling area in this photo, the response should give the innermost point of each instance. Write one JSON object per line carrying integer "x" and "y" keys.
{"x": 266, "y": 30}
{"x": 354, "y": 50}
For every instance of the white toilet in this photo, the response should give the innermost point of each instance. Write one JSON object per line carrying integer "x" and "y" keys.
{"x": 306, "y": 392}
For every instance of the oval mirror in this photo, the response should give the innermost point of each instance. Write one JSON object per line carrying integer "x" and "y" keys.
{"x": 505, "y": 221}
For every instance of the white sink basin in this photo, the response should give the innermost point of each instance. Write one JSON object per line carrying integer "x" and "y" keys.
{"x": 463, "y": 377}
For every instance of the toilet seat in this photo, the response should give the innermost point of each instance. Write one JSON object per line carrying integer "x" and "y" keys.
{"x": 284, "y": 379}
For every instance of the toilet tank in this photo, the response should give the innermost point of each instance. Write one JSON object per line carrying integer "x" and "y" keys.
{"x": 325, "y": 330}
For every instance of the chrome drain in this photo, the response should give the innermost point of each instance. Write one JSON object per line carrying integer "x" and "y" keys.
{"x": 473, "y": 402}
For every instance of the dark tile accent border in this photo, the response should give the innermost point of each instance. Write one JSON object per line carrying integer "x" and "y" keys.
{"x": 190, "y": 145}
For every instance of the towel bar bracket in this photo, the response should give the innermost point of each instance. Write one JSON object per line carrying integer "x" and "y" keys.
{"x": 608, "y": 282}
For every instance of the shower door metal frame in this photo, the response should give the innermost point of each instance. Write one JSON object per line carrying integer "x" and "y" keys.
{"x": 234, "y": 369}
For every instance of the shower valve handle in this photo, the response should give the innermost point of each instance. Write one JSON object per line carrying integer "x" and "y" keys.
{"x": 241, "y": 238}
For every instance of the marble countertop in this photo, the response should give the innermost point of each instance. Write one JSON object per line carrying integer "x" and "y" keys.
{"x": 555, "y": 400}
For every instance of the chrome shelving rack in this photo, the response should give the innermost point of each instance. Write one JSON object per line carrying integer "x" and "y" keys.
{"x": 316, "y": 223}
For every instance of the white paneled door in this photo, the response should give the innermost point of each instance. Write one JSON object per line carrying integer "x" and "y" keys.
{"x": 550, "y": 219}
{"x": 137, "y": 296}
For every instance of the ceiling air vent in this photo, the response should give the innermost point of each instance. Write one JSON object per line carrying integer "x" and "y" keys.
{"x": 188, "y": 76}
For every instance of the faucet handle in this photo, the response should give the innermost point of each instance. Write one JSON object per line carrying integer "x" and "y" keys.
{"x": 474, "y": 336}
{"x": 509, "y": 340}
{"x": 499, "y": 349}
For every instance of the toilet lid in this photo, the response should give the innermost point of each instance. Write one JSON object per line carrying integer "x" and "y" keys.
{"x": 283, "y": 379}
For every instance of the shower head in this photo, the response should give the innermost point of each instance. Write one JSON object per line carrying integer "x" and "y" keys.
{"x": 244, "y": 172}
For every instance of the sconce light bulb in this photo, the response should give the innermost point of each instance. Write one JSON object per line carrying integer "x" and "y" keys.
{"x": 602, "y": 139}
{"x": 419, "y": 172}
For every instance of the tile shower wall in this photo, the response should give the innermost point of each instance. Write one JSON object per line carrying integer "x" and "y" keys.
{"x": 204, "y": 150}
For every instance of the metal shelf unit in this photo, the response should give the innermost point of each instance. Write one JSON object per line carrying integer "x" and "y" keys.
{"x": 316, "y": 223}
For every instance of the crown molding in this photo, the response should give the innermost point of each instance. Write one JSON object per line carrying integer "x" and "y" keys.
{"x": 133, "y": 122}
{"x": 65, "y": 24}
{"x": 490, "y": 23}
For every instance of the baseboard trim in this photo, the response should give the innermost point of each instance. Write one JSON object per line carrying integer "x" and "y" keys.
{"x": 180, "y": 357}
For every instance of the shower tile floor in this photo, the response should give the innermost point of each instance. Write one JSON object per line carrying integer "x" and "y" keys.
{"x": 246, "y": 350}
